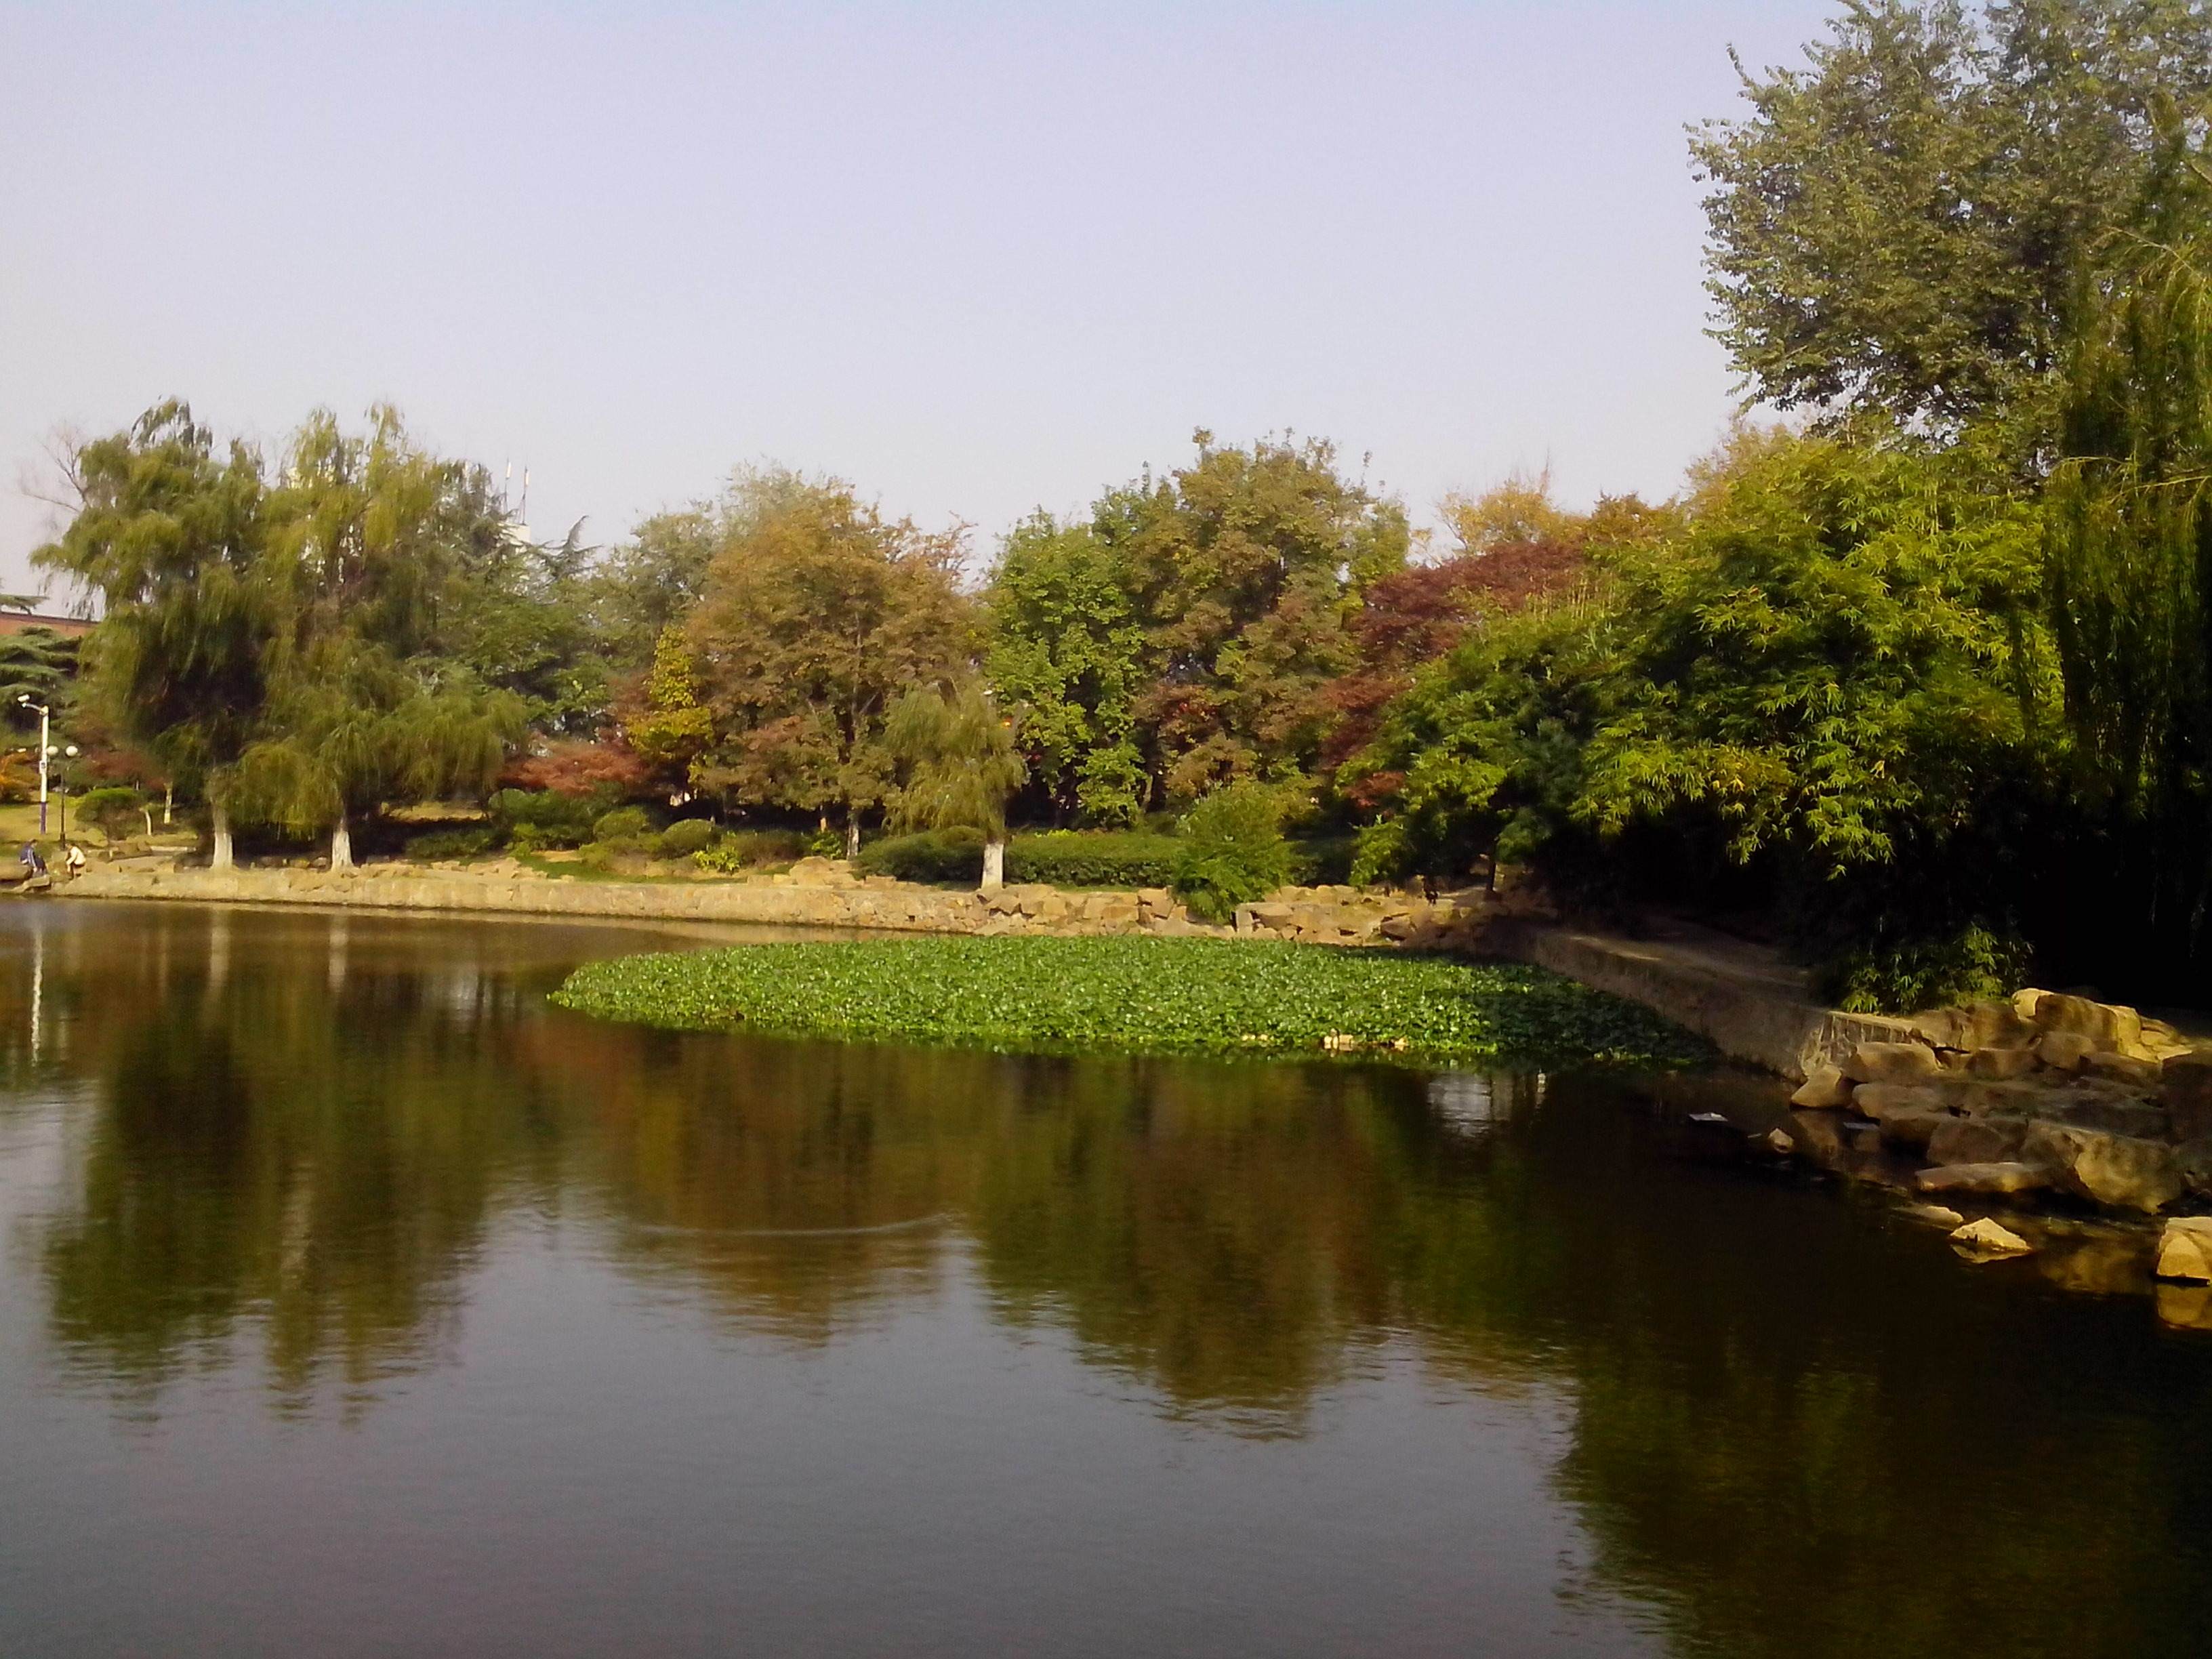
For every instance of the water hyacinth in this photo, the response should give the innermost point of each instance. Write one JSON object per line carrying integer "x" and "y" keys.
{"x": 1149, "y": 995}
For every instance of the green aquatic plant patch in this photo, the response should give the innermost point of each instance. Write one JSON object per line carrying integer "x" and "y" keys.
{"x": 1155, "y": 995}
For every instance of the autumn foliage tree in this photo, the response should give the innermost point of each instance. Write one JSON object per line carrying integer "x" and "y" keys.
{"x": 818, "y": 614}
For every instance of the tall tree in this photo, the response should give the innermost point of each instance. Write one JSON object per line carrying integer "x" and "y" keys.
{"x": 2130, "y": 575}
{"x": 369, "y": 556}
{"x": 674, "y": 727}
{"x": 1904, "y": 224}
{"x": 818, "y": 613}
{"x": 1244, "y": 569}
{"x": 1066, "y": 658}
{"x": 651, "y": 582}
{"x": 171, "y": 538}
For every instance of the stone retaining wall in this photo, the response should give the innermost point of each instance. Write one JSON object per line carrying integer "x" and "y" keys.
{"x": 817, "y": 894}
{"x": 1750, "y": 1008}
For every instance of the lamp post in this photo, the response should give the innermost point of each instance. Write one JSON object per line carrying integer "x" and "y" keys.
{"x": 61, "y": 788}
{"x": 46, "y": 716}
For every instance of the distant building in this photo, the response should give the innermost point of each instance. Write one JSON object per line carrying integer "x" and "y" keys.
{"x": 70, "y": 627}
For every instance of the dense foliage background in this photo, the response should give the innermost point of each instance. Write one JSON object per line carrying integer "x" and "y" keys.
{"x": 1916, "y": 681}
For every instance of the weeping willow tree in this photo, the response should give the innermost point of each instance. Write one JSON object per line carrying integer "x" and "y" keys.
{"x": 171, "y": 538}
{"x": 958, "y": 767}
{"x": 2130, "y": 570}
{"x": 364, "y": 557}
{"x": 359, "y": 729}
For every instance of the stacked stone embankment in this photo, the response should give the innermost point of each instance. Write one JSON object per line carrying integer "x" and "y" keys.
{"x": 2047, "y": 1093}
{"x": 813, "y": 893}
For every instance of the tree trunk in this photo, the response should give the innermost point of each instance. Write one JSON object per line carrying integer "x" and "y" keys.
{"x": 222, "y": 859}
{"x": 994, "y": 864}
{"x": 168, "y": 805}
{"x": 340, "y": 844}
{"x": 852, "y": 835}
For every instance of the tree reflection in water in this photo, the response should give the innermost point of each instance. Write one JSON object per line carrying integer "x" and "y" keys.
{"x": 305, "y": 1132}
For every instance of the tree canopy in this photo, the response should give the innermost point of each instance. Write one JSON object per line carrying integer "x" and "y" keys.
{"x": 1909, "y": 222}
{"x": 818, "y": 614}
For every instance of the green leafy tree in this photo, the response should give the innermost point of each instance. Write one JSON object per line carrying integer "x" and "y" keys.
{"x": 369, "y": 544}
{"x": 519, "y": 617}
{"x": 1904, "y": 223}
{"x": 172, "y": 537}
{"x": 2130, "y": 598}
{"x": 115, "y": 812}
{"x": 1837, "y": 673}
{"x": 1482, "y": 756}
{"x": 37, "y": 663}
{"x": 674, "y": 727}
{"x": 654, "y": 581}
{"x": 1244, "y": 569}
{"x": 356, "y": 730}
{"x": 1838, "y": 654}
{"x": 958, "y": 767}
{"x": 818, "y": 614}
{"x": 1066, "y": 654}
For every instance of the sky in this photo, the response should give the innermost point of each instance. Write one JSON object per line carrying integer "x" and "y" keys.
{"x": 977, "y": 258}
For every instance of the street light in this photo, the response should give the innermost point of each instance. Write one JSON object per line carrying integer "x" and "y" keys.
{"x": 45, "y": 716}
{"x": 62, "y": 789}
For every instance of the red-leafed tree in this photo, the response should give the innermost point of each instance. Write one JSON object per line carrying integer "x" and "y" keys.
{"x": 1416, "y": 614}
{"x": 577, "y": 766}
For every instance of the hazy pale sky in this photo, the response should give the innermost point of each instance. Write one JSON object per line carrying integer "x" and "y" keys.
{"x": 976, "y": 257}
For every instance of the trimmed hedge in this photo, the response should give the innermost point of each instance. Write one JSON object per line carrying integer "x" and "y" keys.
{"x": 1092, "y": 858}
{"x": 545, "y": 818}
{"x": 462, "y": 843}
{"x": 686, "y": 836}
{"x": 1074, "y": 858}
{"x": 624, "y": 823}
{"x": 946, "y": 857}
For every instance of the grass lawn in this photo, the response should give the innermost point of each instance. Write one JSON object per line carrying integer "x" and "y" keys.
{"x": 1150, "y": 996}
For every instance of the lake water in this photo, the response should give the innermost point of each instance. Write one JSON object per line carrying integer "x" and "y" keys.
{"x": 354, "y": 1300}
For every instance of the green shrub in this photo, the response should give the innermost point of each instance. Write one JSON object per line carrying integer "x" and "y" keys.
{"x": 1322, "y": 860}
{"x": 826, "y": 844}
{"x": 1093, "y": 857}
{"x": 941, "y": 856}
{"x": 465, "y": 843}
{"x": 1905, "y": 976}
{"x": 751, "y": 849}
{"x": 624, "y": 823}
{"x": 530, "y": 818}
{"x": 113, "y": 811}
{"x": 1232, "y": 850}
{"x": 688, "y": 837}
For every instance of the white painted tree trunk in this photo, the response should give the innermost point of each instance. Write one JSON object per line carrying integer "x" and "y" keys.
{"x": 342, "y": 844}
{"x": 852, "y": 835}
{"x": 222, "y": 859}
{"x": 994, "y": 865}
{"x": 168, "y": 805}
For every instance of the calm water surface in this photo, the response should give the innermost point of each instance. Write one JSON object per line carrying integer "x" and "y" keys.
{"x": 352, "y": 1301}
